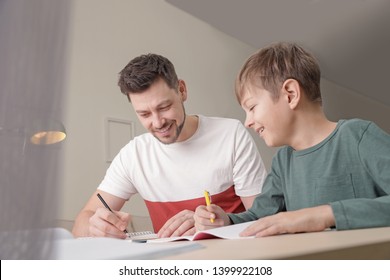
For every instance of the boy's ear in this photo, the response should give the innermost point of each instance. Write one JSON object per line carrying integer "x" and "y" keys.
{"x": 292, "y": 92}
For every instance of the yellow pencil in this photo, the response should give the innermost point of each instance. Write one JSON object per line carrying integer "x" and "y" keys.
{"x": 208, "y": 202}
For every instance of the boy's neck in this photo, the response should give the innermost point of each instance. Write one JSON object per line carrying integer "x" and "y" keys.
{"x": 310, "y": 128}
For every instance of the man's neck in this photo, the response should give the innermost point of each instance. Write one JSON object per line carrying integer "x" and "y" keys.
{"x": 190, "y": 126}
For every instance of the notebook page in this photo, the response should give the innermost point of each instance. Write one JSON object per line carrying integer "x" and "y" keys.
{"x": 227, "y": 232}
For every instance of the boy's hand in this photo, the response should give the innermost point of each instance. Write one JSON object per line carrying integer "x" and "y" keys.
{"x": 205, "y": 214}
{"x": 179, "y": 225}
{"x": 105, "y": 223}
{"x": 304, "y": 220}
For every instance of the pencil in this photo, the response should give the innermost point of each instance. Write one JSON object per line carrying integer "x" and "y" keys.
{"x": 208, "y": 201}
{"x": 108, "y": 207}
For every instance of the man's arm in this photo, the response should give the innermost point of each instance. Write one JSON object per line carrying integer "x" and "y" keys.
{"x": 249, "y": 171}
{"x": 95, "y": 220}
{"x": 248, "y": 201}
{"x": 180, "y": 224}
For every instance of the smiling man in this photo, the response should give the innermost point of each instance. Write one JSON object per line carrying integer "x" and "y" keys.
{"x": 172, "y": 164}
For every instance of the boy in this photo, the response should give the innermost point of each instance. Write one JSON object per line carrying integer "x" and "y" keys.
{"x": 327, "y": 174}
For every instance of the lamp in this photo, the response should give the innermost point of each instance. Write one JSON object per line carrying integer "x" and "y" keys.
{"x": 47, "y": 132}
{"x": 40, "y": 132}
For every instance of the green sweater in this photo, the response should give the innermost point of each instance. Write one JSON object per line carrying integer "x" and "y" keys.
{"x": 349, "y": 170}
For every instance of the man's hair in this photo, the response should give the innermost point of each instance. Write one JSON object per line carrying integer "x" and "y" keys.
{"x": 141, "y": 72}
{"x": 270, "y": 66}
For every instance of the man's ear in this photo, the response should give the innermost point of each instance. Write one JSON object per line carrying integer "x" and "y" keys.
{"x": 292, "y": 92}
{"x": 182, "y": 88}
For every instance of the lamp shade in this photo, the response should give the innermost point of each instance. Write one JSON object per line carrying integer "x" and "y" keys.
{"x": 47, "y": 132}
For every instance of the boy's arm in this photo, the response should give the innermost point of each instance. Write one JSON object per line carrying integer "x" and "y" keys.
{"x": 210, "y": 216}
{"x": 269, "y": 202}
{"x": 311, "y": 219}
{"x": 374, "y": 155}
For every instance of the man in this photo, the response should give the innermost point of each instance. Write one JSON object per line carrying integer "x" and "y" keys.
{"x": 172, "y": 165}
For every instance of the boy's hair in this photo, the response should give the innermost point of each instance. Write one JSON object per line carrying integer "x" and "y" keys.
{"x": 141, "y": 72}
{"x": 271, "y": 66}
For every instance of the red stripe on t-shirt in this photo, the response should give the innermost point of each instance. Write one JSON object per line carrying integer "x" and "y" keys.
{"x": 160, "y": 212}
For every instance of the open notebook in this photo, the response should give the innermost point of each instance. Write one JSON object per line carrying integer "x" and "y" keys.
{"x": 141, "y": 235}
{"x": 65, "y": 247}
{"x": 227, "y": 232}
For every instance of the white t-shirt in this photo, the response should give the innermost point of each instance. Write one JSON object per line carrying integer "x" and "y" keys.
{"x": 220, "y": 157}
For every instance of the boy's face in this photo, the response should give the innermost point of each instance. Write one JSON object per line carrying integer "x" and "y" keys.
{"x": 269, "y": 118}
{"x": 160, "y": 110}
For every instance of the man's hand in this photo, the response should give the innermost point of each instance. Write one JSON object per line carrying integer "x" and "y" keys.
{"x": 304, "y": 220}
{"x": 179, "y": 225}
{"x": 205, "y": 214}
{"x": 105, "y": 223}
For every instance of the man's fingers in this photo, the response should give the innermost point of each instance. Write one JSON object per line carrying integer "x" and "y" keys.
{"x": 178, "y": 224}
{"x": 108, "y": 223}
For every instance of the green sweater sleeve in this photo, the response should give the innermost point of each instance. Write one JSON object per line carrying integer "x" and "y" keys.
{"x": 374, "y": 154}
{"x": 269, "y": 202}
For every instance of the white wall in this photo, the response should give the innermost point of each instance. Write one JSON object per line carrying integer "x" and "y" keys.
{"x": 342, "y": 103}
{"x": 105, "y": 35}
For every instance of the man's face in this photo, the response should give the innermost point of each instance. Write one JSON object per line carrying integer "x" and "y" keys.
{"x": 160, "y": 110}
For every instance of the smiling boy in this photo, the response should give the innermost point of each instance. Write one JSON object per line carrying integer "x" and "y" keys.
{"x": 326, "y": 174}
